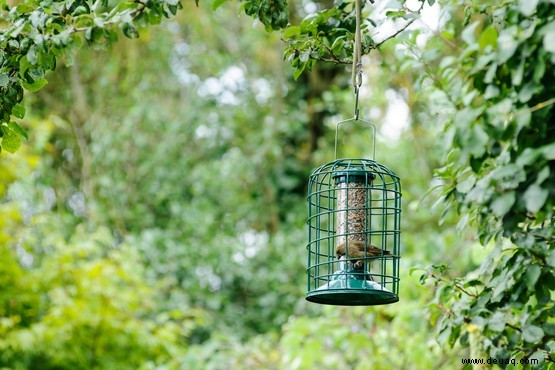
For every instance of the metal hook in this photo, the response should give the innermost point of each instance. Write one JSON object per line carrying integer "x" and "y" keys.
{"x": 359, "y": 73}
{"x": 356, "y": 119}
{"x": 357, "y": 87}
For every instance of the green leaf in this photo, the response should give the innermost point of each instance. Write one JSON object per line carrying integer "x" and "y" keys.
{"x": 537, "y": 359}
{"x": 549, "y": 328}
{"x": 497, "y": 322}
{"x": 543, "y": 294}
{"x": 19, "y": 111}
{"x": 24, "y": 8}
{"x": 395, "y": 13}
{"x": 11, "y": 141}
{"x": 444, "y": 334}
{"x": 532, "y": 274}
{"x": 298, "y": 72}
{"x": 535, "y": 197}
{"x": 549, "y": 37}
{"x": 468, "y": 34}
{"x": 291, "y": 31}
{"x": 532, "y": 334}
{"x": 492, "y": 91}
{"x": 490, "y": 74}
{"x": 217, "y": 3}
{"x": 467, "y": 116}
{"x": 551, "y": 259}
{"x": 24, "y": 65}
{"x": 477, "y": 141}
{"x": 18, "y": 130}
{"x": 527, "y": 7}
{"x": 488, "y": 37}
{"x": 130, "y": 31}
{"x": 464, "y": 186}
{"x": 528, "y": 157}
{"x": 523, "y": 120}
{"x": 174, "y": 8}
{"x": 549, "y": 42}
{"x": 447, "y": 62}
{"x": 304, "y": 56}
{"x": 4, "y": 79}
{"x": 518, "y": 73}
{"x": 548, "y": 151}
{"x": 473, "y": 283}
{"x": 542, "y": 175}
{"x": 528, "y": 91}
{"x": 507, "y": 45}
{"x": 36, "y": 85}
{"x": 503, "y": 203}
{"x": 32, "y": 55}
{"x": 548, "y": 279}
{"x": 80, "y": 10}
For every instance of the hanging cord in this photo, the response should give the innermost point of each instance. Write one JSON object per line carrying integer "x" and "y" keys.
{"x": 357, "y": 63}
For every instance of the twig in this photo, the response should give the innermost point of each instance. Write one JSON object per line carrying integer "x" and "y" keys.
{"x": 334, "y": 58}
{"x": 377, "y": 45}
{"x": 332, "y": 54}
{"x": 535, "y": 107}
{"x": 514, "y": 327}
{"x": 455, "y": 285}
{"x": 436, "y": 33}
{"x": 459, "y": 287}
{"x": 396, "y": 33}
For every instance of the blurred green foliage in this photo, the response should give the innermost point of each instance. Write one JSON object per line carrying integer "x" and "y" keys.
{"x": 36, "y": 35}
{"x": 499, "y": 175}
{"x": 156, "y": 217}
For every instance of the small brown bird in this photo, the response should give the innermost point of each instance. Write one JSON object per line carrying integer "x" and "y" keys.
{"x": 357, "y": 249}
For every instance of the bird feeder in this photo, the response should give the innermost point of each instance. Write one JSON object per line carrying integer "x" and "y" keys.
{"x": 354, "y": 219}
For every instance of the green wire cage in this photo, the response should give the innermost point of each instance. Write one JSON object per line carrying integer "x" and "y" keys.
{"x": 354, "y": 221}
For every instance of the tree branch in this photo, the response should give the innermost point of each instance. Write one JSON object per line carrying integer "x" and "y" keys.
{"x": 396, "y": 33}
{"x": 535, "y": 107}
{"x": 455, "y": 285}
{"x": 514, "y": 327}
{"x": 134, "y": 13}
{"x": 366, "y": 48}
{"x": 436, "y": 33}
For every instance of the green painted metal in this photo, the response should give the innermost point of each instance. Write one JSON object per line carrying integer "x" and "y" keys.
{"x": 374, "y": 192}
{"x": 341, "y": 177}
{"x": 351, "y": 287}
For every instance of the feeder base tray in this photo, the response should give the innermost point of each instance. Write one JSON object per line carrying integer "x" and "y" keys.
{"x": 350, "y": 288}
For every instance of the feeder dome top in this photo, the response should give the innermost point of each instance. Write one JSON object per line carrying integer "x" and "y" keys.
{"x": 353, "y": 176}
{"x": 354, "y": 166}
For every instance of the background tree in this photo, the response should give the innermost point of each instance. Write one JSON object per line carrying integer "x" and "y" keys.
{"x": 157, "y": 212}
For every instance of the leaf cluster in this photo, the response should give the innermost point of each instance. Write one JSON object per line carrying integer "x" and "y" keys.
{"x": 500, "y": 176}
{"x": 37, "y": 34}
{"x": 327, "y": 35}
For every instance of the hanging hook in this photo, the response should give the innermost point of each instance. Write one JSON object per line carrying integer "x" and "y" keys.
{"x": 358, "y": 121}
{"x": 357, "y": 86}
